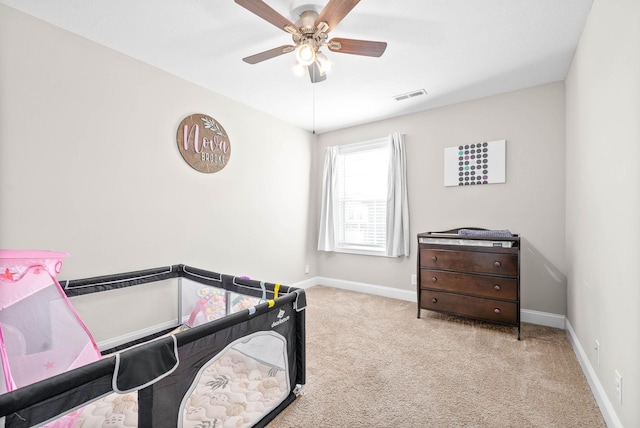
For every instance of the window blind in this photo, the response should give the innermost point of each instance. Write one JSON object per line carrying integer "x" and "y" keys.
{"x": 362, "y": 195}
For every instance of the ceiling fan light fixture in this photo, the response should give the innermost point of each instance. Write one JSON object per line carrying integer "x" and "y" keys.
{"x": 306, "y": 53}
{"x": 324, "y": 64}
{"x": 309, "y": 33}
{"x": 299, "y": 69}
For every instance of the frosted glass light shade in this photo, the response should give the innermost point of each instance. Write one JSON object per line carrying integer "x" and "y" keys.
{"x": 305, "y": 54}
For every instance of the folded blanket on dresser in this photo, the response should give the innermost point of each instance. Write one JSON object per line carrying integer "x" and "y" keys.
{"x": 496, "y": 233}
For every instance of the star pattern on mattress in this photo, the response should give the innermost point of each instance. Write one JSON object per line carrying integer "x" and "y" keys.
{"x": 49, "y": 365}
{"x": 8, "y": 274}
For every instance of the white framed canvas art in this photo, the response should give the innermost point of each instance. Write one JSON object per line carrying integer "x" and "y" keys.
{"x": 477, "y": 163}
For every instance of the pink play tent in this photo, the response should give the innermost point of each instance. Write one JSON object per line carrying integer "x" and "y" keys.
{"x": 41, "y": 335}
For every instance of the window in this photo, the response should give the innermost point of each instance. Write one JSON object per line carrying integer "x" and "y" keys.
{"x": 364, "y": 199}
{"x": 362, "y": 172}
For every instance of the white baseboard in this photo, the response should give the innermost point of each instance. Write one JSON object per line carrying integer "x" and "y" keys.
{"x": 542, "y": 318}
{"x": 307, "y": 283}
{"x": 378, "y": 290}
{"x": 606, "y": 407}
{"x": 526, "y": 315}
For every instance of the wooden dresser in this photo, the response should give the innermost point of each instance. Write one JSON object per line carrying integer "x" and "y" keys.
{"x": 474, "y": 275}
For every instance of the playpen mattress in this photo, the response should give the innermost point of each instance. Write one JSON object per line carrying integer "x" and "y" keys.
{"x": 235, "y": 390}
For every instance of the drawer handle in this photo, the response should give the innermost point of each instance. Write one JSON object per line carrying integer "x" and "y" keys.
{"x": 434, "y": 300}
{"x": 497, "y": 264}
{"x": 434, "y": 279}
{"x": 496, "y": 310}
{"x": 434, "y": 258}
{"x": 496, "y": 287}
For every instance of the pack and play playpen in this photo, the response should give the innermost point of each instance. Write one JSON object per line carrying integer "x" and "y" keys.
{"x": 186, "y": 347}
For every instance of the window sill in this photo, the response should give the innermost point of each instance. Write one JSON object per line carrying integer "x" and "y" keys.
{"x": 361, "y": 251}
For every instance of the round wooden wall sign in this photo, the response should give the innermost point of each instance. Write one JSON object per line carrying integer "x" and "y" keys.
{"x": 203, "y": 143}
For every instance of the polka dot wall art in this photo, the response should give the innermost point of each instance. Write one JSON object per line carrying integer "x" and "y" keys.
{"x": 475, "y": 163}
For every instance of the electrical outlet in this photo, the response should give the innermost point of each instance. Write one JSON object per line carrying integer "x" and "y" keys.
{"x": 414, "y": 279}
{"x": 618, "y": 383}
{"x": 597, "y": 349}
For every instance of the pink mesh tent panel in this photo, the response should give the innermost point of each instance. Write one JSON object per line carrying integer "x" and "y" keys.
{"x": 41, "y": 334}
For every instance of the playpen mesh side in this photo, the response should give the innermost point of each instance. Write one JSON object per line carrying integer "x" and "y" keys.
{"x": 41, "y": 335}
{"x": 159, "y": 401}
{"x": 195, "y": 356}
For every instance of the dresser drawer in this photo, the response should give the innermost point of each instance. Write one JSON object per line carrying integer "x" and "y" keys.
{"x": 472, "y": 307}
{"x": 470, "y": 261}
{"x": 493, "y": 287}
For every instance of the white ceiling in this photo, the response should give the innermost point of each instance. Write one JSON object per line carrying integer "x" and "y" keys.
{"x": 456, "y": 50}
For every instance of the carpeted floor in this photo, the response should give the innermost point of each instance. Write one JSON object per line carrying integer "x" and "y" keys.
{"x": 372, "y": 363}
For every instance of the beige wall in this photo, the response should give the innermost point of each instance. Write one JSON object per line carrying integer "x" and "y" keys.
{"x": 603, "y": 198}
{"x": 530, "y": 203}
{"x": 89, "y": 165}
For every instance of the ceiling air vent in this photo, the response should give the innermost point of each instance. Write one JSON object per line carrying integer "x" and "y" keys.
{"x": 408, "y": 95}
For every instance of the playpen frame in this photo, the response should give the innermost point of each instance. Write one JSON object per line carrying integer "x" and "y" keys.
{"x": 164, "y": 363}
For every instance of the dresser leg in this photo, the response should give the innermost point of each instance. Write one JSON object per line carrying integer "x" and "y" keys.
{"x": 418, "y": 312}
{"x": 518, "y": 331}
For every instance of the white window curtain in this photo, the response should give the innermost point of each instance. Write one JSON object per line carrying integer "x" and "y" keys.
{"x": 397, "y": 200}
{"x": 397, "y": 233}
{"x": 328, "y": 210}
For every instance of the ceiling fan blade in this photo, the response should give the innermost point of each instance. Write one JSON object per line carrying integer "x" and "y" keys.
{"x": 271, "y": 53}
{"x": 334, "y": 11}
{"x": 265, "y": 12}
{"x": 357, "y": 47}
{"x": 314, "y": 73}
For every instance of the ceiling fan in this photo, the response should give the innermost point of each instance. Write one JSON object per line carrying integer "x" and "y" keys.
{"x": 309, "y": 35}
